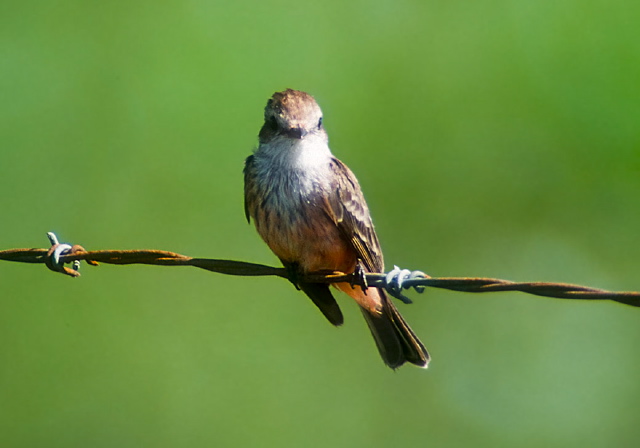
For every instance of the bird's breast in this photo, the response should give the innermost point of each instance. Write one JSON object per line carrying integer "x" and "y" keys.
{"x": 290, "y": 214}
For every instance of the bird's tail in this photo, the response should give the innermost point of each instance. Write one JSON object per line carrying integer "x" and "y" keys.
{"x": 396, "y": 341}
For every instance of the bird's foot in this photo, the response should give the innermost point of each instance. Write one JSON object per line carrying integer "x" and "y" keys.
{"x": 359, "y": 278}
{"x": 293, "y": 274}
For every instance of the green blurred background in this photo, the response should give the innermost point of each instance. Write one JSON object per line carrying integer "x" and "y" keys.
{"x": 492, "y": 138}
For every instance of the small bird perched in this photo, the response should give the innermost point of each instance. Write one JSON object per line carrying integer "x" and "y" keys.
{"x": 308, "y": 207}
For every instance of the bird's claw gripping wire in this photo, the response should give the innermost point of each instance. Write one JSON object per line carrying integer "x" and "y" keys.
{"x": 57, "y": 250}
{"x": 359, "y": 278}
{"x": 293, "y": 274}
{"x": 399, "y": 279}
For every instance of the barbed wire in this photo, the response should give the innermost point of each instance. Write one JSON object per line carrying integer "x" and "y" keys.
{"x": 394, "y": 282}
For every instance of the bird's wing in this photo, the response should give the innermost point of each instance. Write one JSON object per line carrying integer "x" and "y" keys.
{"x": 346, "y": 206}
{"x": 248, "y": 185}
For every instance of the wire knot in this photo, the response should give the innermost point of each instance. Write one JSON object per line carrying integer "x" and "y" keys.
{"x": 399, "y": 279}
{"x": 57, "y": 250}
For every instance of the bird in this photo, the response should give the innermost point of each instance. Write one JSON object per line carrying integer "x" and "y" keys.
{"x": 308, "y": 207}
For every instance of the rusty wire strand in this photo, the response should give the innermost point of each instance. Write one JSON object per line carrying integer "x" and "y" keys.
{"x": 230, "y": 267}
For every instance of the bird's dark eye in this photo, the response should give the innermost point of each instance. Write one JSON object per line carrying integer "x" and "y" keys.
{"x": 320, "y": 123}
{"x": 273, "y": 123}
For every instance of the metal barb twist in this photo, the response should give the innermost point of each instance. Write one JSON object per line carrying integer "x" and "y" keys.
{"x": 396, "y": 280}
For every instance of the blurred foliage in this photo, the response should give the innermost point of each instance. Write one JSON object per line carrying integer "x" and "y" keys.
{"x": 492, "y": 138}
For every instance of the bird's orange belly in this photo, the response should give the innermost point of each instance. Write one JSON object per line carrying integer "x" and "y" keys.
{"x": 312, "y": 241}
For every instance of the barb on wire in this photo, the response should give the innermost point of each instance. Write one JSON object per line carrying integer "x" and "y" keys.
{"x": 394, "y": 282}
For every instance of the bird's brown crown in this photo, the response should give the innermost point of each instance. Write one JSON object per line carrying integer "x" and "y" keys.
{"x": 291, "y": 112}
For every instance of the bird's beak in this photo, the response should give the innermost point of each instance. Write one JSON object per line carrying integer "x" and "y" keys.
{"x": 296, "y": 132}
